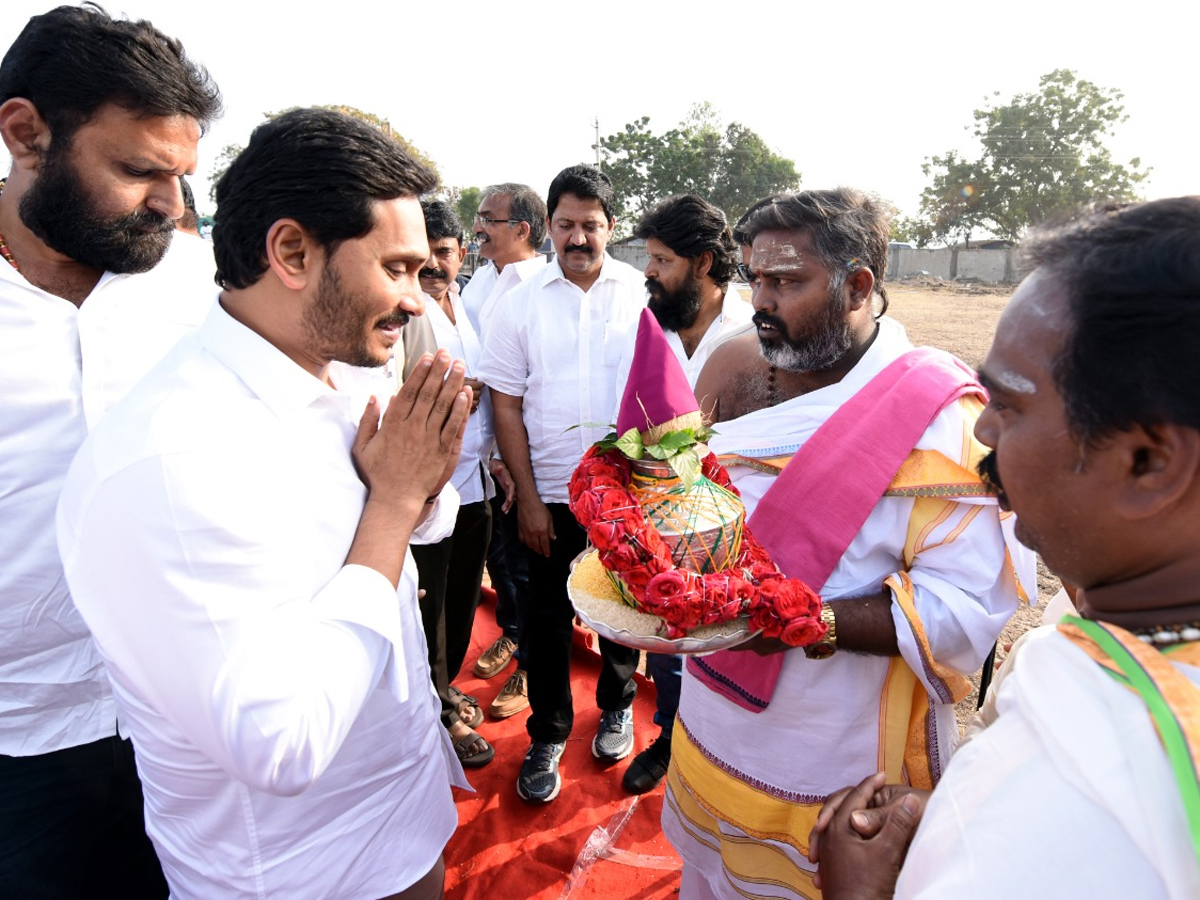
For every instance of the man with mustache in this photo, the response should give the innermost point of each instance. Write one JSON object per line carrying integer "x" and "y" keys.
{"x": 1086, "y": 757}
{"x": 235, "y": 535}
{"x": 101, "y": 118}
{"x": 852, "y": 452}
{"x": 451, "y": 570}
{"x": 693, "y": 259}
{"x": 550, "y": 362}
{"x": 510, "y": 227}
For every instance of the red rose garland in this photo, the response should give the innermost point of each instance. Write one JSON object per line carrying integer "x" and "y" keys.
{"x": 630, "y": 547}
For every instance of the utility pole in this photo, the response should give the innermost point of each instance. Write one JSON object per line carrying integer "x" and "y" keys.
{"x": 596, "y": 146}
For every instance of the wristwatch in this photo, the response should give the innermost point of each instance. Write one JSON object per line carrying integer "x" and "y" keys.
{"x": 826, "y": 646}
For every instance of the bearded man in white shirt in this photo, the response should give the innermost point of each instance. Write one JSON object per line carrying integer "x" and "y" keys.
{"x": 550, "y": 361}
{"x": 510, "y": 227}
{"x": 101, "y": 118}
{"x": 235, "y": 536}
{"x": 852, "y": 452}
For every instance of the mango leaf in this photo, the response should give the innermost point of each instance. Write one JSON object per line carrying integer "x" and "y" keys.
{"x": 676, "y": 440}
{"x": 658, "y": 451}
{"x": 630, "y": 443}
{"x": 686, "y": 465}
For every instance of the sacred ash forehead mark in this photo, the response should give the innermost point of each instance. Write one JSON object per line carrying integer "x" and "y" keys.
{"x": 777, "y": 255}
{"x": 1013, "y": 382}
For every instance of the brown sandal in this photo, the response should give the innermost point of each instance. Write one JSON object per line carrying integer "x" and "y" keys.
{"x": 462, "y": 748}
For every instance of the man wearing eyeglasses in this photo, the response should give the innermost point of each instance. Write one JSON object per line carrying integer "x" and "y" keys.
{"x": 510, "y": 228}
{"x": 853, "y": 453}
{"x": 550, "y": 360}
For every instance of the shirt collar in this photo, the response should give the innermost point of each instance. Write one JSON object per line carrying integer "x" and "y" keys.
{"x": 554, "y": 272}
{"x": 274, "y": 378}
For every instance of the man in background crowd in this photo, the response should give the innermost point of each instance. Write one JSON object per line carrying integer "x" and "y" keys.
{"x": 451, "y": 570}
{"x": 550, "y": 359}
{"x": 692, "y": 261}
{"x": 510, "y": 228}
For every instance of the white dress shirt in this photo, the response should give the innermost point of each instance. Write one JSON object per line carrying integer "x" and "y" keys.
{"x": 61, "y": 367}
{"x": 488, "y": 285}
{"x": 731, "y": 321}
{"x": 279, "y": 700}
{"x": 557, "y": 348}
{"x": 471, "y": 478}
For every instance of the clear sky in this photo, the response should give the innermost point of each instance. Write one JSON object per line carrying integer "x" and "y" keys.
{"x": 856, "y": 93}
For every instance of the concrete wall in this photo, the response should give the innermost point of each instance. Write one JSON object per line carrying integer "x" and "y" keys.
{"x": 991, "y": 266}
{"x": 633, "y": 253}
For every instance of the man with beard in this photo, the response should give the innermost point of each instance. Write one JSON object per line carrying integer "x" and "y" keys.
{"x": 451, "y": 570}
{"x": 1084, "y": 760}
{"x": 101, "y": 118}
{"x": 692, "y": 260}
{"x": 510, "y": 227}
{"x": 235, "y": 535}
{"x": 550, "y": 361}
{"x": 853, "y": 455}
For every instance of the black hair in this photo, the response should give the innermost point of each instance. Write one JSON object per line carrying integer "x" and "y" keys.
{"x": 441, "y": 221}
{"x": 848, "y": 228}
{"x": 739, "y": 229}
{"x": 525, "y": 205}
{"x": 322, "y": 168}
{"x": 1131, "y": 273}
{"x": 586, "y": 183}
{"x": 689, "y": 226}
{"x": 74, "y": 59}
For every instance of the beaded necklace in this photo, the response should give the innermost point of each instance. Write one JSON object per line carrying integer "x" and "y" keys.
{"x": 1168, "y": 635}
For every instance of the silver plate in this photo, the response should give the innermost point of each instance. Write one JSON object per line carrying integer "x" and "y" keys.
{"x": 643, "y": 631}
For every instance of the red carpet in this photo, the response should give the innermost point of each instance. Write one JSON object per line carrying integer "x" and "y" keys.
{"x": 593, "y": 841}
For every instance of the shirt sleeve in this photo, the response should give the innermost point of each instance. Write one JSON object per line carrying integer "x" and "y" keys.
{"x": 202, "y": 606}
{"x": 439, "y": 525}
{"x": 959, "y": 588}
{"x": 504, "y": 365}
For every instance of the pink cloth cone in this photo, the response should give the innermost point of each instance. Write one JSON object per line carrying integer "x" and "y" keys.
{"x": 657, "y": 390}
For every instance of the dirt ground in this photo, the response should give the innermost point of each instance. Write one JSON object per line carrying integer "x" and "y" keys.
{"x": 960, "y": 318}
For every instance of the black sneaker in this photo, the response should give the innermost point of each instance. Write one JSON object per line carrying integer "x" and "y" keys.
{"x": 649, "y": 767}
{"x": 539, "y": 778}
{"x": 614, "y": 737}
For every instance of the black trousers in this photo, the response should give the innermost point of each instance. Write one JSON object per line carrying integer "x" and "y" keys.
{"x": 450, "y": 572}
{"x": 548, "y": 629}
{"x": 71, "y": 826}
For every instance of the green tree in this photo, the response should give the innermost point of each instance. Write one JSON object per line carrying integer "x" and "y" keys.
{"x": 1043, "y": 155}
{"x": 466, "y": 204}
{"x": 730, "y": 166}
{"x": 231, "y": 151}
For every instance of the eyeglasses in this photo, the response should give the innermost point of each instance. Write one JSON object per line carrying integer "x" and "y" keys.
{"x": 746, "y": 273}
{"x": 487, "y": 220}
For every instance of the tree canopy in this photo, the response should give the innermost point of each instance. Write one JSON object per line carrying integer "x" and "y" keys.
{"x": 230, "y": 152}
{"x": 730, "y": 166}
{"x": 1042, "y": 155}
{"x": 466, "y": 204}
